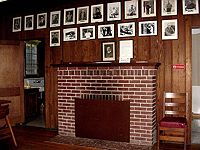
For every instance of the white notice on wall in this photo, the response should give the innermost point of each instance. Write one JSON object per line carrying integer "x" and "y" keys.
{"x": 126, "y": 51}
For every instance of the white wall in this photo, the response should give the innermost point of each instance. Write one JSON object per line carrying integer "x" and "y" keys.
{"x": 195, "y": 71}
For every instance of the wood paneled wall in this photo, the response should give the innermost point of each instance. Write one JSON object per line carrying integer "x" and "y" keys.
{"x": 149, "y": 48}
{"x": 11, "y": 78}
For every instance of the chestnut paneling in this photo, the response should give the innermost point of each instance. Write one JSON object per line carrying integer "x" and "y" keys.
{"x": 188, "y": 70}
{"x": 11, "y": 78}
{"x": 12, "y": 91}
{"x": 149, "y": 48}
{"x": 56, "y": 55}
{"x": 82, "y": 51}
{"x": 51, "y": 99}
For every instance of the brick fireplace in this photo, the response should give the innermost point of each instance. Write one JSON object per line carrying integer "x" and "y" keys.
{"x": 125, "y": 82}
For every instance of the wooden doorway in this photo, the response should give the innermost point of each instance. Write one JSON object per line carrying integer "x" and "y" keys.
{"x": 34, "y": 93}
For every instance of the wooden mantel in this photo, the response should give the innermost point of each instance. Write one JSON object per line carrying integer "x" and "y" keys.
{"x": 104, "y": 64}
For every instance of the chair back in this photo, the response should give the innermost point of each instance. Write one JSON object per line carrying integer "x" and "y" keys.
{"x": 4, "y": 110}
{"x": 175, "y": 104}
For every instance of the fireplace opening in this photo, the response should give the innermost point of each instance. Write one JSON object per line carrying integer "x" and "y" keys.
{"x": 102, "y": 119}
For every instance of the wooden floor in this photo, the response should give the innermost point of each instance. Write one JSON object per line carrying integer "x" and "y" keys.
{"x": 32, "y": 138}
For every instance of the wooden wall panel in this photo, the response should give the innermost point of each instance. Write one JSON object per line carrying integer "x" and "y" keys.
{"x": 144, "y": 48}
{"x": 188, "y": 70}
{"x": 149, "y": 48}
{"x": 195, "y": 21}
{"x": 56, "y": 55}
{"x": 51, "y": 102}
{"x": 11, "y": 78}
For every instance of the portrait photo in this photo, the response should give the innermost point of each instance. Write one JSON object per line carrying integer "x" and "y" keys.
{"x": 16, "y": 24}
{"x": 70, "y": 34}
{"x": 114, "y": 11}
{"x": 28, "y": 22}
{"x": 106, "y": 31}
{"x": 83, "y": 14}
{"x": 55, "y": 19}
{"x": 69, "y": 16}
{"x": 148, "y": 8}
{"x": 97, "y": 13}
{"x": 131, "y": 9}
{"x": 55, "y": 38}
{"x": 147, "y": 28}
{"x": 87, "y": 33}
{"x": 190, "y": 6}
{"x": 169, "y": 29}
{"x": 168, "y": 7}
{"x": 108, "y": 51}
{"x": 126, "y": 29}
{"x": 41, "y": 20}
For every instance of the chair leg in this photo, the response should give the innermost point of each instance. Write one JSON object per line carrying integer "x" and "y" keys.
{"x": 158, "y": 138}
{"x": 13, "y": 136}
{"x": 185, "y": 138}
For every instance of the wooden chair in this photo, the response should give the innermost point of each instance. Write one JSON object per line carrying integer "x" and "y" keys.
{"x": 173, "y": 126}
{"x": 6, "y": 130}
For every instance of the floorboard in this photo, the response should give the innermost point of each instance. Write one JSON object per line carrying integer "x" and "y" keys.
{"x": 34, "y": 138}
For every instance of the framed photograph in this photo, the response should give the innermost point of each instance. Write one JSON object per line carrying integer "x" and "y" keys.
{"x": 114, "y": 11}
{"x": 55, "y": 38}
{"x": 28, "y": 22}
{"x": 148, "y": 8}
{"x": 106, "y": 31}
{"x": 126, "y": 29}
{"x": 147, "y": 28}
{"x": 41, "y": 20}
{"x": 97, "y": 13}
{"x": 70, "y": 34}
{"x": 169, "y": 29}
{"x": 69, "y": 16}
{"x": 55, "y": 19}
{"x": 87, "y": 33}
{"x": 168, "y": 7}
{"x": 108, "y": 51}
{"x": 17, "y": 24}
{"x": 83, "y": 14}
{"x": 190, "y": 6}
{"x": 131, "y": 9}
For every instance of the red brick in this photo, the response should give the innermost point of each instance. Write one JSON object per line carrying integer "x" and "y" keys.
{"x": 117, "y": 77}
{"x": 112, "y": 81}
{"x": 140, "y": 131}
{"x": 140, "y": 116}
{"x": 85, "y": 77}
{"x": 107, "y": 77}
{"x": 81, "y": 81}
{"x": 140, "y": 138}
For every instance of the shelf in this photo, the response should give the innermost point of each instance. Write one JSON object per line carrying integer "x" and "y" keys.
{"x": 103, "y": 64}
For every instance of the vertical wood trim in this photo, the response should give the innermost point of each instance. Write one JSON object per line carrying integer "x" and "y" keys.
{"x": 22, "y": 46}
{"x": 51, "y": 103}
{"x": 51, "y": 113}
{"x": 188, "y": 58}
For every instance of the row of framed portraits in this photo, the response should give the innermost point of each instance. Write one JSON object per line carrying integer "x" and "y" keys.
{"x": 146, "y": 28}
{"x": 131, "y": 11}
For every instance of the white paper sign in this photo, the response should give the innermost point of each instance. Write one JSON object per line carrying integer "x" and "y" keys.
{"x": 124, "y": 60}
{"x": 126, "y": 51}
